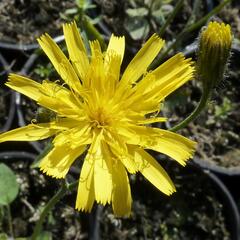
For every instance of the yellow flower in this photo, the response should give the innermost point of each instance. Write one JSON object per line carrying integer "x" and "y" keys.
{"x": 104, "y": 117}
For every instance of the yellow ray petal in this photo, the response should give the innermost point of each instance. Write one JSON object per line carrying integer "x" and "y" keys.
{"x": 152, "y": 120}
{"x": 76, "y": 49}
{"x": 120, "y": 151}
{"x": 60, "y": 93}
{"x": 60, "y": 62}
{"x": 58, "y": 161}
{"x": 78, "y": 135}
{"x": 163, "y": 141}
{"x": 48, "y": 94}
{"x": 116, "y": 45}
{"x": 158, "y": 84}
{"x": 152, "y": 170}
{"x": 31, "y": 132}
{"x": 171, "y": 75}
{"x": 96, "y": 51}
{"x": 25, "y": 86}
{"x": 112, "y": 69}
{"x": 59, "y": 99}
{"x": 85, "y": 194}
{"x": 138, "y": 66}
{"x": 121, "y": 196}
{"x": 102, "y": 174}
{"x": 112, "y": 63}
{"x": 171, "y": 66}
{"x": 63, "y": 124}
{"x": 97, "y": 73}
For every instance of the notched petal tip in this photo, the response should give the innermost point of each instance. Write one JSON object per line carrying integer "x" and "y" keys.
{"x": 11, "y": 75}
{"x": 43, "y": 37}
{"x": 85, "y": 209}
{"x": 189, "y": 155}
{"x": 52, "y": 173}
{"x": 82, "y": 209}
{"x": 70, "y": 26}
{"x": 158, "y": 38}
{"x": 172, "y": 191}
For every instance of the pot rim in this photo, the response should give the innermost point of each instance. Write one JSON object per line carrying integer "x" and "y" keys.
{"x": 12, "y": 108}
{"x": 227, "y": 199}
{"x": 26, "y": 47}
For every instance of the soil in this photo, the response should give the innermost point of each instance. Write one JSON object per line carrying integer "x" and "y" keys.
{"x": 22, "y": 21}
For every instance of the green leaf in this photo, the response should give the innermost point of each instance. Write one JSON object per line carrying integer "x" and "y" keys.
{"x": 3, "y": 236}
{"x": 224, "y": 109}
{"x": 158, "y": 15}
{"x": 138, "y": 28}
{"x": 71, "y": 11}
{"x": 8, "y": 185}
{"x": 137, "y": 12}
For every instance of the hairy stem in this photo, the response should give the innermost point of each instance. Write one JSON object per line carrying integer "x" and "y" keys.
{"x": 176, "y": 9}
{"x": 9, "y": 217}
{"x": 201, "y": 105}
{"x": 52, "y": 202}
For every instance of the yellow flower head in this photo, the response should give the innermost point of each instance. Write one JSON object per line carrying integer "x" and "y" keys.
{"x": 106, "y": 116}
{"x": 214, "y": 50}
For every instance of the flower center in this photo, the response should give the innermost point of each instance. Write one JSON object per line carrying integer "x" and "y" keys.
{"x": 100, "y": 118}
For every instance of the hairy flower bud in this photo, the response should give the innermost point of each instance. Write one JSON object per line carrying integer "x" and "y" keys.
{"x": 213, "y": 53}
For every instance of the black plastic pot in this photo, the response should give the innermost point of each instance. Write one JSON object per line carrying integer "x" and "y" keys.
{"x": 15, "y": 155}
{"x": 230, "y": 207}
{"x": 9, "y": 97}
{"x": 232, "y": 171}
{"x": 26, "y": 47}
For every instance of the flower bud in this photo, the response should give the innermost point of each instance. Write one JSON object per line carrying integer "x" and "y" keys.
{"x": 213, "y": 53}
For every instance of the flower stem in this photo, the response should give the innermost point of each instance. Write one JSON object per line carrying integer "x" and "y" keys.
{"x": 94, "y": 221}
{"x": 176, "y": 9}
{"x": 92, "y": 32}
{"x": 9, "y": 217}
{"x": 204, "y": 19}
{"x": 201, "y": 105}
{"x": 52, "y": 202}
